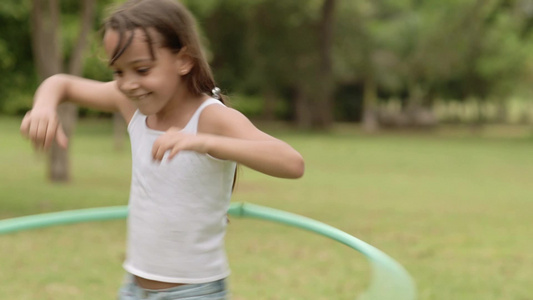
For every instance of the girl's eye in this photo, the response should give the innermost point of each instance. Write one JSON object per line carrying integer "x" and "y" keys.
{"x": 117, "y": 73}
{"x": 143, "y": 71}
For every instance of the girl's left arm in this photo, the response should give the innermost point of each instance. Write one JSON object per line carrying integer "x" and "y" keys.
{"x": 227, "y": 134}
{"x": 231, "y": 136}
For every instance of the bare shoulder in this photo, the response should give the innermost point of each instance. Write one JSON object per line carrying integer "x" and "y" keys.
{"x": 227, "y": 121}
{"x": 216, "y": 119}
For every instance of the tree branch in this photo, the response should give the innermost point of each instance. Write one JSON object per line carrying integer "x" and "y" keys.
{"x": 87, "y": 20}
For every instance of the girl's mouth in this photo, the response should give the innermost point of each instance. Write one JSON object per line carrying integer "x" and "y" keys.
{"x": 139, "y": 97}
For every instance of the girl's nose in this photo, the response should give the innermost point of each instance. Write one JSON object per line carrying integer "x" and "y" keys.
{"x": 128, "y": 83}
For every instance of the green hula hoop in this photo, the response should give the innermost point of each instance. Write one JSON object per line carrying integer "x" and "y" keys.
{"x": 390, "y": 281}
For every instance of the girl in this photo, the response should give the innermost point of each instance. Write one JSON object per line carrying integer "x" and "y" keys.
{"x": 185, "y": 146}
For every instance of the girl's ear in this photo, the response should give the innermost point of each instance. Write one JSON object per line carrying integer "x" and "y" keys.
{"x": 184, "y": 62}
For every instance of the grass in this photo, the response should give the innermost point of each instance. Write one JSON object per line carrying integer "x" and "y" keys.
{"x": 453, "y": 207}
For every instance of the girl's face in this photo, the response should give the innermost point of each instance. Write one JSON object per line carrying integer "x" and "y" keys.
{"x": 150, "y": 82}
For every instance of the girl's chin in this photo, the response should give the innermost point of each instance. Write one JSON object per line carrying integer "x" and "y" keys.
{"x": 147, "y": 110}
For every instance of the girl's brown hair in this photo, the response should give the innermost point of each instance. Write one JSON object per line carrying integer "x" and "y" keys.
{"x": 177, "y": 28}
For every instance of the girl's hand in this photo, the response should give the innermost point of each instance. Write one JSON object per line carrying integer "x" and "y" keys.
{"x": 41, "y": 126}
{"x": 174, "y": 141}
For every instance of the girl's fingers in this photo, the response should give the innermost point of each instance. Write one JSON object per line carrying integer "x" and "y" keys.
{"x": 34, "y": 130}
{"x": 172, "y": 141}
{"x": 38, "y": 131}
{"x": 50, "y": 133}
{"x": 160, "y": 146}
{"x": 25, "y": 125}
{"x": 61, "y": 137}
{"x": 41, "y": 134}
{"x": 155, "y": 148}
{"x": 158, "y": 151}
{"x": 175, "y": 150}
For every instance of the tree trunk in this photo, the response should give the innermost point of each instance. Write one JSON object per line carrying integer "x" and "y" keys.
{"x": 302, "y": 108}
{"x": 87, "y": 21}
{"x": 370, "y": 121}
{"x": 58, "y": 160}
{"x": 502, "y": 111}
{"x": 323, "y": 110}
{"x": 270, "y": 100}
{"x": 45, "y": 39}
{"x": 47, "y": 55}
{"x": 48, "y": 59}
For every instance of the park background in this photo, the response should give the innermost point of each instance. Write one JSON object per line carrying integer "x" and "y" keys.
{"x": 414, "y": 117}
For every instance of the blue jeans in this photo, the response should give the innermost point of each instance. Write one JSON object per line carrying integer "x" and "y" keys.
{"x": 215, "y": 290}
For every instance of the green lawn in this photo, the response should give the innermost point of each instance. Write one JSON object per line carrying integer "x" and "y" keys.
{"x": 454, "y": 208}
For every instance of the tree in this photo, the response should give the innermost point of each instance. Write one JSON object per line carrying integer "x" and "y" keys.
{"x": 48, "y": 57}
{"x": 323, "y": 113}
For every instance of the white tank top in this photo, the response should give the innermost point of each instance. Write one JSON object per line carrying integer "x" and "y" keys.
{"x": 177, "y": 210}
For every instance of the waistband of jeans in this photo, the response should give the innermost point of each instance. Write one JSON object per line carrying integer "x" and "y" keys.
{"x": 204, "y": 288}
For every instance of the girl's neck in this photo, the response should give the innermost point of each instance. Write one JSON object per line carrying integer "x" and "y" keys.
{"x": 176, "y": 113}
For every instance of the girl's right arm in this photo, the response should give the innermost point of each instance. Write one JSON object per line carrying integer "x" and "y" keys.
{"x": 41, "y": 124}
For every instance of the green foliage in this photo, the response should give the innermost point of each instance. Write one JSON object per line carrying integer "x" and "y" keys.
{"x": 6, "y": 58}
{"x": 19, "y": 102}
{"x": 16, "y": 64}
{"x": 430, "y": 50}
{"x": 16, "y": 58}
{"x": 17, "y": 9}
{"x": 450, "y": 49}
{"x": 504, "y": 54}
{"x": 249, "y": 105}
{"x": 201, "y": 8}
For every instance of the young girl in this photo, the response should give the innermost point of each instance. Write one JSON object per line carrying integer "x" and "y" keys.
{"x": 185, "y": 146}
